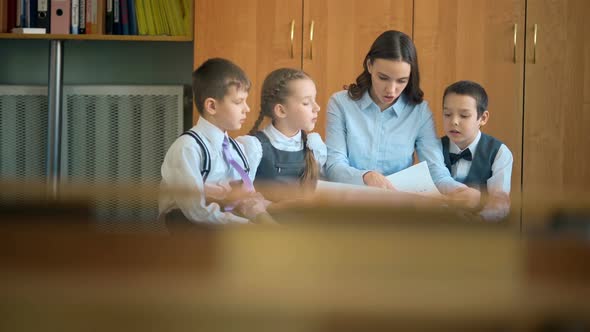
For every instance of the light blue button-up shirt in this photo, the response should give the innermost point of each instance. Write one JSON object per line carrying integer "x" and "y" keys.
{"x": 361, "y": 138}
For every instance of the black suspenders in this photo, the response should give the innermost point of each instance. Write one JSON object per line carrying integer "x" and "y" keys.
{"x": 206, "y": 167}
{"x": 206, "y": 156}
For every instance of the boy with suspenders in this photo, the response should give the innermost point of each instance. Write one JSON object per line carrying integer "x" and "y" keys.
{"x": 205, "y": 163}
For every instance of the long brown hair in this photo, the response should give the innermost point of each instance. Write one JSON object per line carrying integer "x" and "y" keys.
{"x": 275, "y": 90}
{"x": 391, "y": 45}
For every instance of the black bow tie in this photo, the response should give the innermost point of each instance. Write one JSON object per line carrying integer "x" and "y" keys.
{"x": 466, "y": 154}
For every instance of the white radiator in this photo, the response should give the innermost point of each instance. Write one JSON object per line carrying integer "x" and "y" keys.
{"x": 23, "y": 132}
{"x": 111, "y": 134}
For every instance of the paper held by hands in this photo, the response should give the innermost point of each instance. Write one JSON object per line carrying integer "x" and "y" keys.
{"x": 415, "y": 179}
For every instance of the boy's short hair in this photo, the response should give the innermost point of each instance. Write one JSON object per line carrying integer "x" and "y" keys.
{"x": 214, "y": 77}
{"x": 472, "y": 89}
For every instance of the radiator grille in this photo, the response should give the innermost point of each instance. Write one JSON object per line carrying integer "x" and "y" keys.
{"x": 111, "y": 134}
{"x": 23, "y": 132}
{"x": 120, "y": 134}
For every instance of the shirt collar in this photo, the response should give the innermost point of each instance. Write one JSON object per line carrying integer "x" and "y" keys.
{"x": 210, "y": 131}
{"x": 453, "y": 148}
{"x": 277, "y": 137}
{"x": 397, "y": 107}
{"x": 365, "y": 101}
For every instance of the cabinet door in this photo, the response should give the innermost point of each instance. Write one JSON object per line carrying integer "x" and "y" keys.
{"x": 343, "y": 31}
{"x": 475, "y": 40}
{"x": 255, "y": 34}
{"x": 557, "y": 98}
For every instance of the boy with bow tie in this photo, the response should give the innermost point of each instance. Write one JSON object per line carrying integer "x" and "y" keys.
{"x": 474, "y": 158}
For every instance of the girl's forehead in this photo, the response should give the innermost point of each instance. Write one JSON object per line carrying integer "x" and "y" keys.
{"x": 302, "y": 87}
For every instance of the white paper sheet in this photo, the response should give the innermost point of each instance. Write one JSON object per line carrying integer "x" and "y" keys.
{"x": 415, "y": 179}
{"x": 338, "y": 186}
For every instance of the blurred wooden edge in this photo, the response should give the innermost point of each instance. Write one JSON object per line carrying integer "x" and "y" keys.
{"x": 380, "y": 277}
{"x": 540, "y": 207}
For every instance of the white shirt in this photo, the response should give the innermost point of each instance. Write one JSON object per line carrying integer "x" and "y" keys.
{"x": 181, "y": 169}
{"x": 497, "y": 185}
{"x": 281, "y": 142}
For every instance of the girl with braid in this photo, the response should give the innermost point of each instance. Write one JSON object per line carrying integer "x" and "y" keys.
{"x": 289, "y": 153}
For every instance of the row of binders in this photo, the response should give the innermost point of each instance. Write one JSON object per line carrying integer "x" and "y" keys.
{"x": 116, "y": 17}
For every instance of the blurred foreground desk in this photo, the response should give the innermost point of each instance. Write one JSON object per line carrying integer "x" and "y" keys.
{"x": 349, "y": 277}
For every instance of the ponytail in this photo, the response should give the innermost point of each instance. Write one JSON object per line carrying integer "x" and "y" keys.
{"x": 259, "y": 120}
{"x": 309, "y": 178}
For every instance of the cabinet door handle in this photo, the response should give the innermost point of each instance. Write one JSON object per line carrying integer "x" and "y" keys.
{"x": 292, "y": 38}
{"x": 515, "y": 34}
{"x": 535, "y": 29}
{"x": 312, "y": 25}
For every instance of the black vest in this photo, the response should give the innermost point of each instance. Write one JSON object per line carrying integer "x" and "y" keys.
{"x": 481, "y": 166}
{"x": 277, "y": 165}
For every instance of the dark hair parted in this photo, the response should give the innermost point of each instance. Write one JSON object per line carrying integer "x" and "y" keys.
{"x": 471, "y": 89}
{"x": 391, "y": 45}
{"x": 214, "y": 77}
{"x": 275, "y": 90}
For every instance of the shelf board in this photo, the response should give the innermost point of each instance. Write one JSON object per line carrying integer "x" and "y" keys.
{"x": 96, "y": 37}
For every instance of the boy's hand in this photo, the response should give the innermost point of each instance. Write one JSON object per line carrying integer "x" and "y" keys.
{"x": 497, "y": 207}
{"x": 217, "y": 192}
{"x": 466, "y": 197}
{"x": 252, "y": 205}
{"x": 375, "y": 179}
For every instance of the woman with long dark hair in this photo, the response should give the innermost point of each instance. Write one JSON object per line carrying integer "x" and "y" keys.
{"x": 375, "y": 126}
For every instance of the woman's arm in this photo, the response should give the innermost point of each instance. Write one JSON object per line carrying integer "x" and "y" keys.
{"x": 338, "y": 166}
{"x": 429, "y": 148}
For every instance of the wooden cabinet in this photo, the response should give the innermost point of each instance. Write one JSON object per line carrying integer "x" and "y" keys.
{"x": 255, "y": 34}
{"x": 556, "y": 140}
{"x": 328, "y": 39}
{"x": 538, "y": 80}
{"x": 482, "y": 41}
{"x": 344, "y": 32}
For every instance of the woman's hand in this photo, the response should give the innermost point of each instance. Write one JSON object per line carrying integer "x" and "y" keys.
{"x": 375, "y": 179}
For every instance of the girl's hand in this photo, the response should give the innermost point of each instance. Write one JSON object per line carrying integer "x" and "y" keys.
{"x": 375, "y": 179}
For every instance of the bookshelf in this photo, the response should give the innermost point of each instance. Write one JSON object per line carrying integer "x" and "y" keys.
{"x": 188, "y": 38}
{"x": 55, "y": 83}
{"x": 111, "y": 37}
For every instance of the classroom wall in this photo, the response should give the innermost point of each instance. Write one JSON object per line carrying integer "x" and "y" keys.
{"x": 98, "y": 62}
